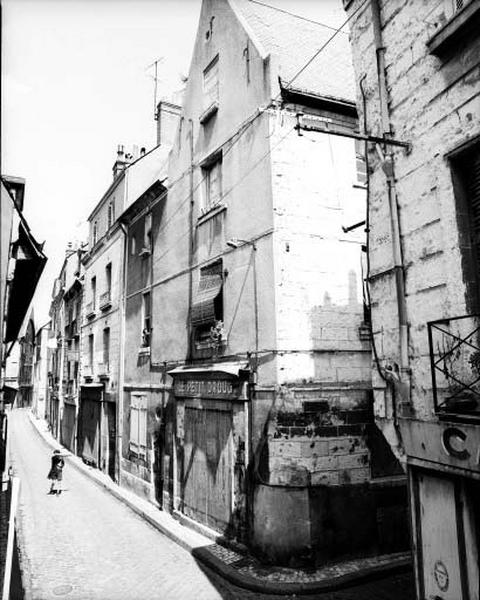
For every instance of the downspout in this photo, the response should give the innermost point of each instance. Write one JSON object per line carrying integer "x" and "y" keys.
{"x": 400, "y": 377}
{"x": 121, "y": 370}
{"x": 190, "y": 251}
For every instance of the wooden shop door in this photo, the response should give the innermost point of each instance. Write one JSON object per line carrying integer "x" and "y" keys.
{"x": 208, "y": 467}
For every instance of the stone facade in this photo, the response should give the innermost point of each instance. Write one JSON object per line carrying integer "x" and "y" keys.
{"x": 418, "y": 82}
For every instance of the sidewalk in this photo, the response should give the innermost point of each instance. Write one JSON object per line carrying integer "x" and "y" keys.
{"x": 239, "y": 568}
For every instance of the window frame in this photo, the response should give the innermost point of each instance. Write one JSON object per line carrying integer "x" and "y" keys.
{"x": 106, "y": 348}
{"x": 110, "y": 214}
{"x": 91, "y": 349}
{"x": 202, "y": 333}
{"x": 146, "y": 333}
{"x": 138, "y": 426}
{"x": 208, "y": 168}
{"x": 93, "y": 291}
{"x": 213, "y": 68}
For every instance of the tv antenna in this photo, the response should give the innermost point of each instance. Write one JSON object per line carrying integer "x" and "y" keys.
{"x": 155, "y": 64}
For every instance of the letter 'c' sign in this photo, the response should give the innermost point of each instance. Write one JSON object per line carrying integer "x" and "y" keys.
{"x": 453, "y": 440}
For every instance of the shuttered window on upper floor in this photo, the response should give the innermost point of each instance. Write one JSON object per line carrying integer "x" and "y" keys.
{"x": 210, "y": 83}
{"x": 466, "y": 180}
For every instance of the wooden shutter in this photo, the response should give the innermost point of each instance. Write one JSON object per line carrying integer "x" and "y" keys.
{"x": 473, "y": 192}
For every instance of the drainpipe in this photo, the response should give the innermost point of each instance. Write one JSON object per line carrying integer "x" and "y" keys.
{"x": 398, "y": 378}
{"x": 190, "y": 249}
{"x": 121, "y": 370}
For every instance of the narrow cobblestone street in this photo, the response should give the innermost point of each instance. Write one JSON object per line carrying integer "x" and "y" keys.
{"x": 85, "y": 544}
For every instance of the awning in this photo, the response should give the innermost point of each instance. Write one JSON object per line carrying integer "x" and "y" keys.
{"x": 229, "y": 368}
{"x": 203, "y": 309}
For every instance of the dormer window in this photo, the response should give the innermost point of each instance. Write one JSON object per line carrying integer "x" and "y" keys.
{"x": 111, "y": 215}
{"x": 95, "y": 233}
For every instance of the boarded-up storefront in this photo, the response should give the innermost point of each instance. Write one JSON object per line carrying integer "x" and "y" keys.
{"x": 208, "y": 466}
{"x": 211, "y": 428}
{"x": 69, "y": 426}
{"x": 89, "y": 424}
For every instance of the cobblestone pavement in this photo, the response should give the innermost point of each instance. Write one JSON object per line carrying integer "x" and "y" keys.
{"x": 86, "y": 545}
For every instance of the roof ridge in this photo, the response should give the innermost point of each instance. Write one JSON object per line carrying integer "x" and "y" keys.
{"x": 287, "y": 12}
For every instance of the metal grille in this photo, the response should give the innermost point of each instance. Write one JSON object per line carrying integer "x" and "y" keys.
{"x": 455, "y": 364}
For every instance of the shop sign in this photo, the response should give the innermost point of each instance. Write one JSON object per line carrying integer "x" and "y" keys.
{"x": 206, "y": 388}
{"x": 452, "y": 444}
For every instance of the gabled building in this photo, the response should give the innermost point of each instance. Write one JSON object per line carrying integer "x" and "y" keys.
{"x": 255, "y": 331}
{"x": 417, "y": 68}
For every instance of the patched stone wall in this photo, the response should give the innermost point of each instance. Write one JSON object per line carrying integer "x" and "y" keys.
{"x": 323, "y": 441}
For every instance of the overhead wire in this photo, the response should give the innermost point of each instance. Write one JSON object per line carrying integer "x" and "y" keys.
{"x": 257, "y": 113}
{"x": 282, "y": 10}
{"x": 233, "y": 187}
{"x": 323, "y": 46}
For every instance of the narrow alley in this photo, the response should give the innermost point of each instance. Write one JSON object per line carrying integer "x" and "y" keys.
{"x": 85, "y": 544}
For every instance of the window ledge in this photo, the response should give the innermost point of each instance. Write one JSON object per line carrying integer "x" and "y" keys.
{"x": 455, "y": 29}
{"x": 144, "y": 351}
{"x": 208, "y": 113}
{"x": 210, "y": 213}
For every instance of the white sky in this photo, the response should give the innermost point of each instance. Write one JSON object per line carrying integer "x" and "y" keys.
{"x": 75, "y": 84}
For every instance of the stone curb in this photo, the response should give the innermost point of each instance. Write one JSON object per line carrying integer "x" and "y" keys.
{"x": 397, "y": 565}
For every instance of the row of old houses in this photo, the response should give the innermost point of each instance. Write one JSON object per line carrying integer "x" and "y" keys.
{"x": 274, "y": 318}
{"x": 211, "y": 341}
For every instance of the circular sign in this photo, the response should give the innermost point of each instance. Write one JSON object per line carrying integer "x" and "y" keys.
{"x": 441, "y": 575}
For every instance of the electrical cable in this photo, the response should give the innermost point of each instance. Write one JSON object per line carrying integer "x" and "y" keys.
{"x": 322, "y": 48}
{"x": 295, "y": 15}
{"x": 230, "y": 190}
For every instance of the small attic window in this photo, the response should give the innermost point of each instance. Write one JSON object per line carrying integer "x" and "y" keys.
{"x": 209, "y": 32}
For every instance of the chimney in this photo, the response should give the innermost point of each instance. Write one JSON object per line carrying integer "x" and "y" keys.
{"x": 69, "y": 251}
{"x": 121, "y": 162}
{"x": 167, "y": 117}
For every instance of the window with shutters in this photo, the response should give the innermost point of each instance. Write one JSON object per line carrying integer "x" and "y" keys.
{"x": 360, "y": 162}
{"x": 90, "y": 350}
{"x": 466, "y": 180}
{"x": 207, "y": 308}
{"x": 106, "y": 349}
{"x": 146, "y": 320}
{"x": 210, "y": 83}
{"x": 212, "y": 191}
{"x": 138, "y": 426}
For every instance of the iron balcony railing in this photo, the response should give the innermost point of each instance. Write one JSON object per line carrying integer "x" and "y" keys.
{"x": 454, "y": 345}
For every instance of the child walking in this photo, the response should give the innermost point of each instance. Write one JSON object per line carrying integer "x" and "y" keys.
{"x": 56, "y": 473}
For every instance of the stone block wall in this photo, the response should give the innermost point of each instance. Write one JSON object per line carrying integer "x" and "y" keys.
{"x": 318, "y": 268}
{"x": 321, "y": 441}
{"x": 433, "y": 103}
